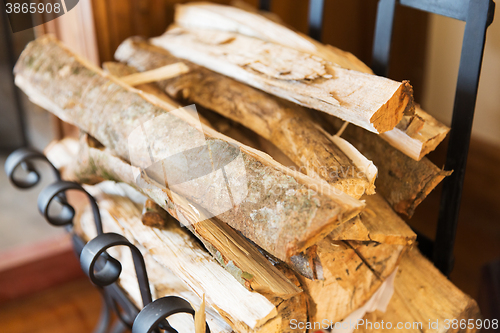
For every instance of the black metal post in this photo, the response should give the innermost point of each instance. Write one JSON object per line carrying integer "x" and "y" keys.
{"x": 480, "y": 15}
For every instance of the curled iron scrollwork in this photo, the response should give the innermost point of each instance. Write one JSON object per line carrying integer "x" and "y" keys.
{"x": 153, "y": 315}
{"x": 24, "y": 157}
{"x": 66, "y": 214}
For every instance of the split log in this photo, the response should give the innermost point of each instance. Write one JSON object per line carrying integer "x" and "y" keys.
{"x": 414, "y": 135}
{"x": 344, "y": 271}
{"x": 377, "y": 223}
{"x": 303, "y": 142}
{"x": 402, "y": 181}
{"x": 374, "y": 103}
{"x": 239, "y": 257}
{"x": 174, "y": 248}
{"x": 346, "y": 277}
{"x": 161, "y": 280}
{"x": 153, "y": 215}
{"x": 158, "y": 74}
{"x": 417, "y": 135}
{"x": 83, "y": 95}
{"x": 219, "y": 17}
{"x": 423, "y": 295}
{"x": 285, "y": 125}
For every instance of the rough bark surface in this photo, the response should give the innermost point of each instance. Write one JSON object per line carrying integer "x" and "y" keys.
{"x": 238, "y": 256}
{"x": 422, "y": 295}
{"x": 286, "y": 125}
{"x": 347, "y": 274}
{"x": 175, "y": 249}
{"x": 402, "y": 181}
{"x": 369, "y": 101}
{"x": 415, "y": 135}
{"x": 281, "y": 210}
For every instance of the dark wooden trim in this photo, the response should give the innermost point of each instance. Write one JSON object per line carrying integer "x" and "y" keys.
{"x": 36, "y": 267}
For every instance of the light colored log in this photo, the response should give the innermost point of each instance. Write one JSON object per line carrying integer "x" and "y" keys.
{"x": 348, "y": 273}
{"x": 77, "y": 92}
{"x": 239, "y": 257}
{"x": 402, "y": 181}
{"x": 119, "y": 70}
{"x": 374, "y": 103}
{"x": 226, "y": 18}
{"x": 423, "y": 295}
{"x": 161, "y": 73}
{"x": 177, "y": 251}
{"x": 153, "y": 215}
{"x": 286, "y": 125}
{"x": 418, "y": 135}
{"x": 415, "y": 143}
{"x": 162, "y": 280}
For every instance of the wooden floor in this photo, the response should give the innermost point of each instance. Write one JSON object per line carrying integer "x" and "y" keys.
{"x": 75, "y": 307}
{"x": 71, "y": 308}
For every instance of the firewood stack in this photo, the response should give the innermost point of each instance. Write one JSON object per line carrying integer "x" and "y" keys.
{"x": 280, "y": 212}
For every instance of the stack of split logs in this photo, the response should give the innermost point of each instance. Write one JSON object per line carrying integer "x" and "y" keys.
{"x": 257, "y": 169}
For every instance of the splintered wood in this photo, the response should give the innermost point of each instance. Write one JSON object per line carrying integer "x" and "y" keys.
{"x": 175, "y": 251}
{"x": 267, "y": 198}
{"x": 286, "y": 125}
{"x": 374, "y": 103}
{"x": 425, "y": 132}
{"x": 272, "y": 200}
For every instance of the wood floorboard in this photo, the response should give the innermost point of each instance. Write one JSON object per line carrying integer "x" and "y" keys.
{"x": 73, "y": 307}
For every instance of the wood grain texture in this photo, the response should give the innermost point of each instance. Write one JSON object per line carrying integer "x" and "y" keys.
{"x": 423, "y": 294}
{"x": 414, "y": 143}
{"x": 348, "y": 274}
{"x": 284, "y": 124}
{"x": 71, "y": 307}
{"x": 86, "y": 109}
{"x": 176, "y": 252}
{"x": 372, "y": 102}
{"x": 235, "y": 253}
{"x": 402, "y": 181}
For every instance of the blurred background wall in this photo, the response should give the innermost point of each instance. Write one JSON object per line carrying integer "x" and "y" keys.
{"x": 444, "y": 42}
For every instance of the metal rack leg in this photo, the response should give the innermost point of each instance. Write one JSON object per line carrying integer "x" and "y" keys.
{"x": 118, "y": 327}
{"x": 105, "y": 317}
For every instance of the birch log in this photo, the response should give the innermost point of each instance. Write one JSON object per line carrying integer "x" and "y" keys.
{"x": 345, "y": 278}
{"x": 422, "y": 296}
{"x": 266, "y": 198}
{"x": 414, "y": 135}
{"x": 161, "y": 279}
{"x": 372, "y": 102}
{"x": 402, "y": 181}
{"x": 417, "y": 135}
{"x": 174, "y": 248}
{"x": 344, "y": 270}
{"x": 286, "y": 125}
{"x": 226, "y": 18}
{"x": 239, "y": 257}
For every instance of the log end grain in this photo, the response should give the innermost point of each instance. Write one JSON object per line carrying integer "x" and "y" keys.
{"x": 391, "y": 113}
